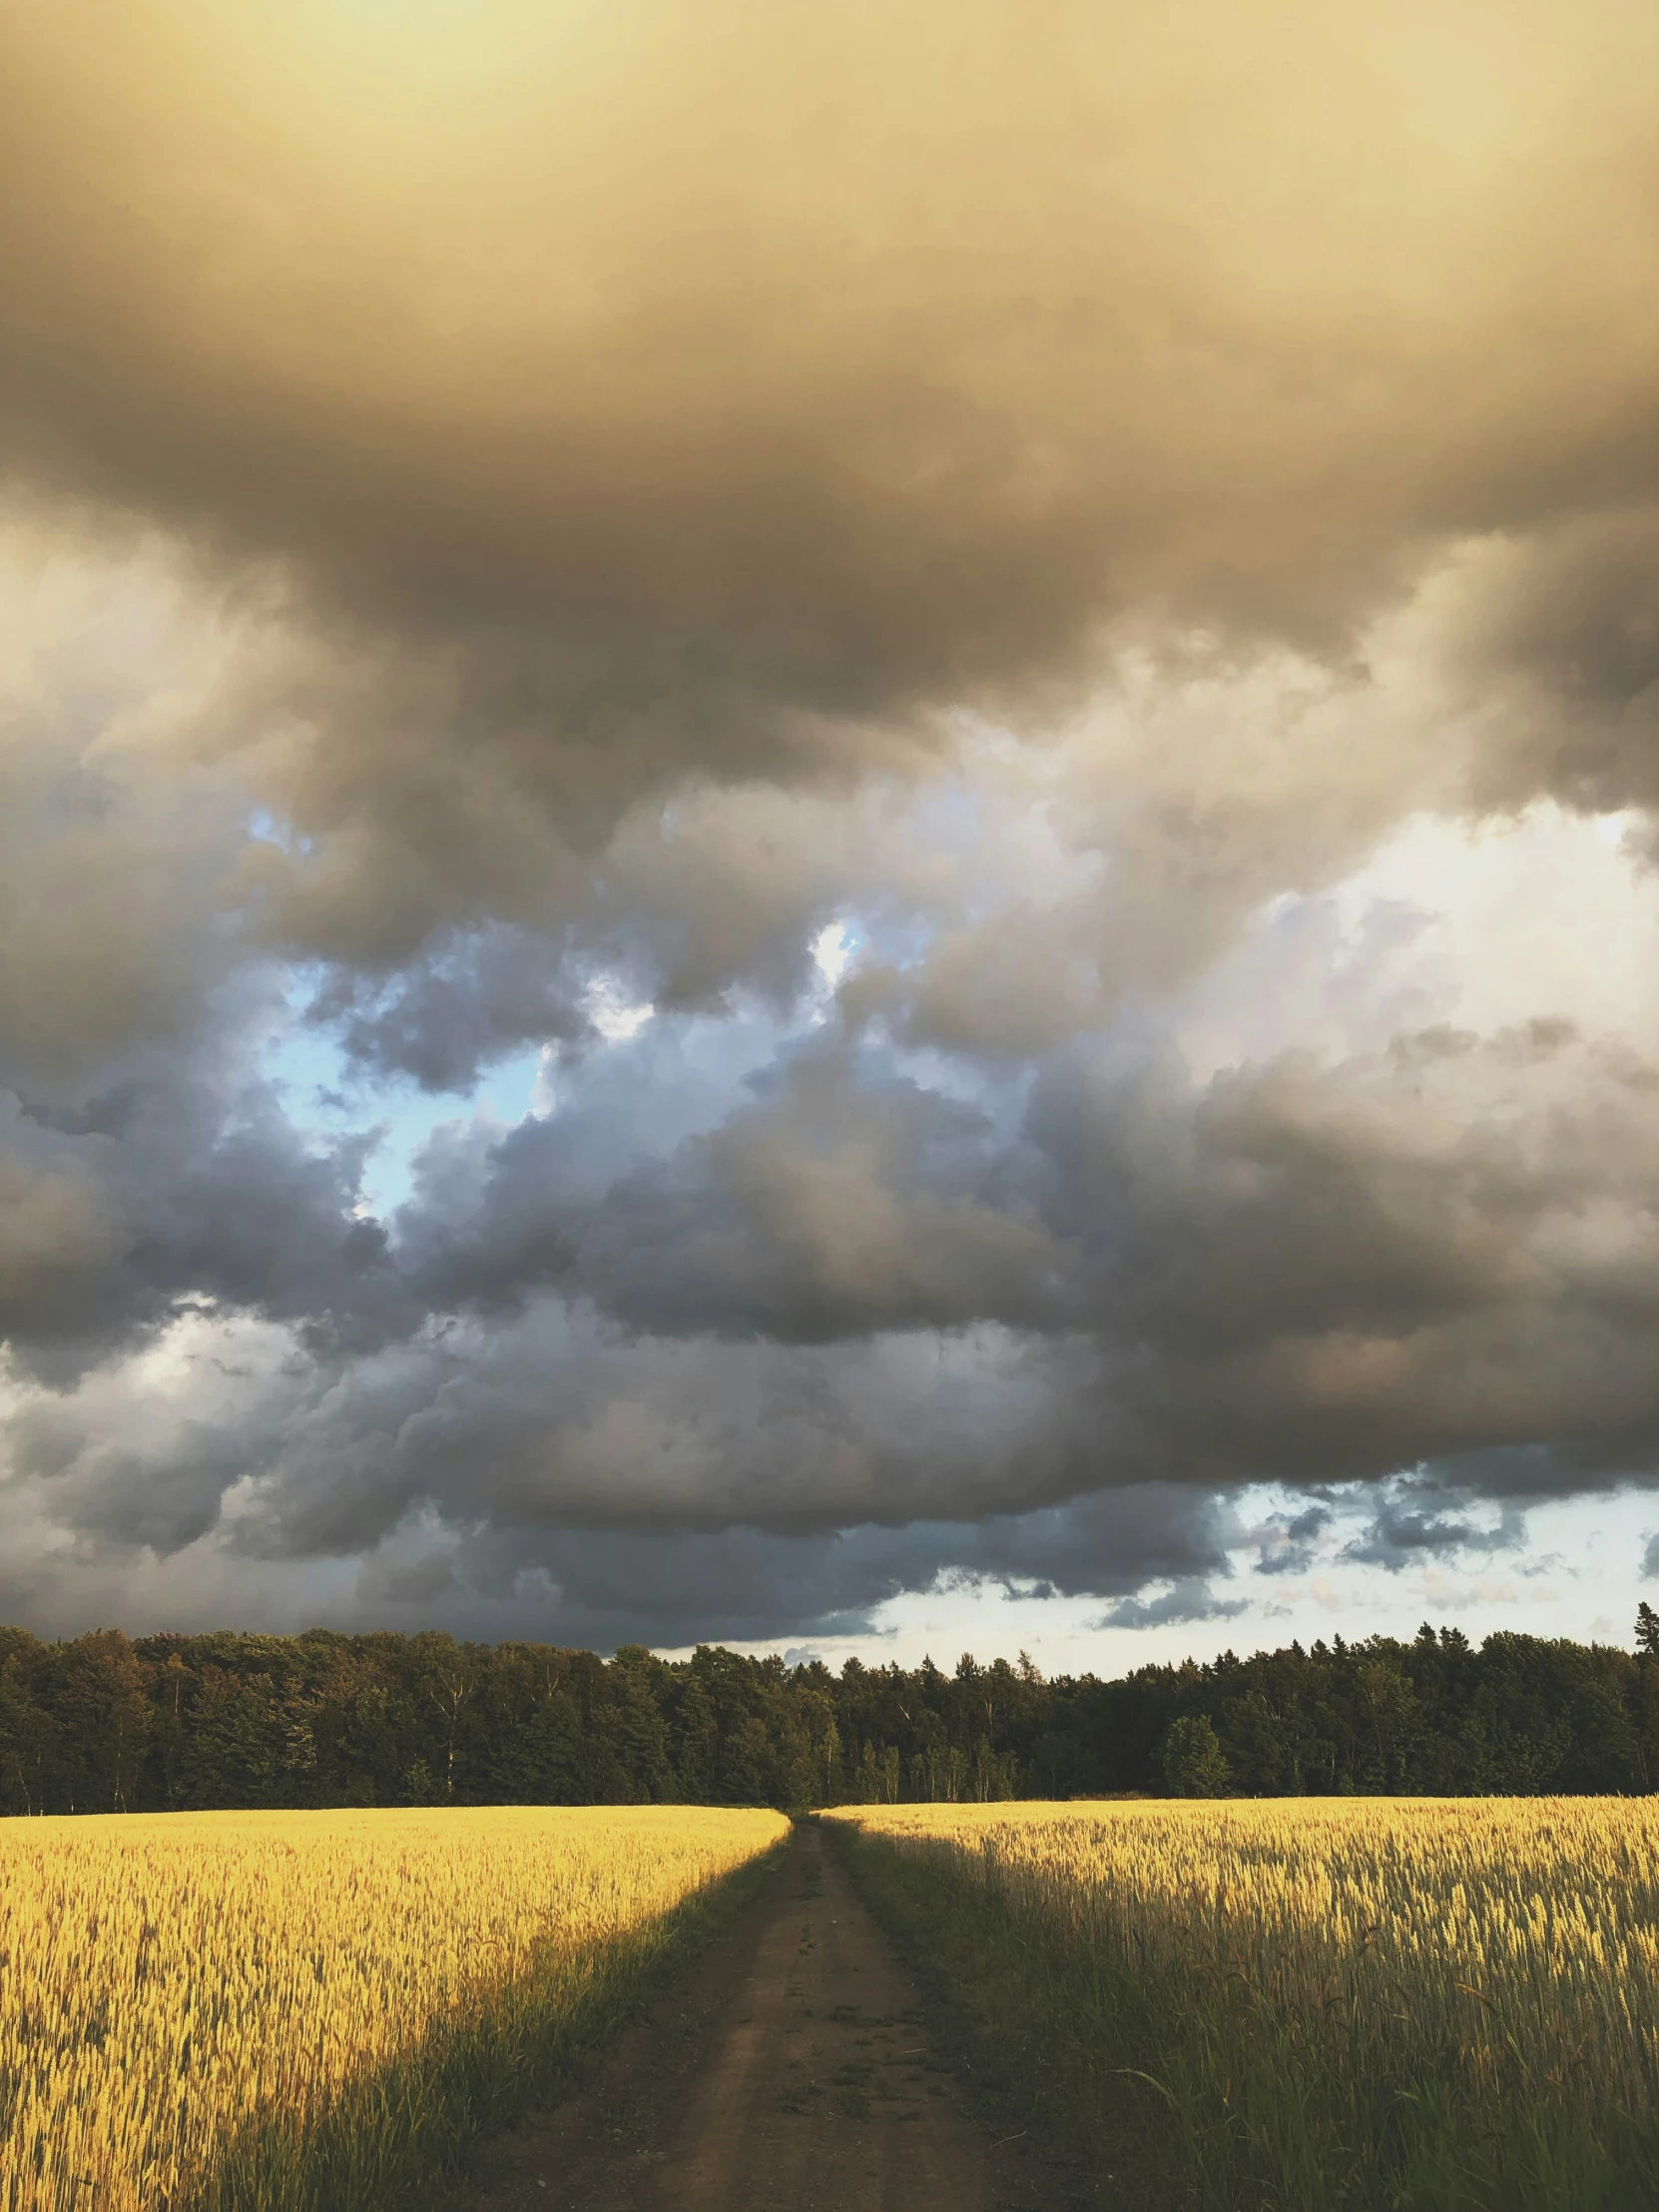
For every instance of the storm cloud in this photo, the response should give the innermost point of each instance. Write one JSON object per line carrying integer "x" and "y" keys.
{"x": 798, "y": 807}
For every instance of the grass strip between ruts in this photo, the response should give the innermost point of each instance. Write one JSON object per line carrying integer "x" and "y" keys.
{"x": 1014, "y": 2021}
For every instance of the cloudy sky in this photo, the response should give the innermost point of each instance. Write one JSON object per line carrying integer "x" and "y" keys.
{"x": 830, "y": 826}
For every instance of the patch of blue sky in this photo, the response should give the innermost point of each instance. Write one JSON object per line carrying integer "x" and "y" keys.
{"x": 266, "y": 828}
{"x": 1580, "y": 1575}
{"x": 513, "y": 1088}
{"x": 896, "y": 937}
{"x": 652, "y": 1082}
{"x": 326, "y": 1096}
{"x": 648, "y": 1088}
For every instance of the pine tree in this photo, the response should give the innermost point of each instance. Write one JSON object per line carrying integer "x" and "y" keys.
{"x": 1193, "y": 1761}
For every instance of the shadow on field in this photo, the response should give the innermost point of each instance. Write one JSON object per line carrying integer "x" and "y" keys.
{"x": 797, "y": 2070}
{"x": 413, "y": 2132}
{"x": 1013, "y": 2042}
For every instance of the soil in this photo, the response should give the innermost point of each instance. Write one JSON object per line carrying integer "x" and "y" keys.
{"x": 793, "y": 2072}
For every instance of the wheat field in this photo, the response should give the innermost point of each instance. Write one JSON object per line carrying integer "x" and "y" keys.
{"x": 186, "y": 1999}
{"x": 1345, "y": 2003}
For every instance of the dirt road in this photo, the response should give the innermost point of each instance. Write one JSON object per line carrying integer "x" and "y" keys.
{"x": 793, "y": 2075}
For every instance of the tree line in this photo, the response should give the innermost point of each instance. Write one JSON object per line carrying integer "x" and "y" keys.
{"x": 163, "y": 1723}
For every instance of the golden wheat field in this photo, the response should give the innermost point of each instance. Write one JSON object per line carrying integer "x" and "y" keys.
{"x": 168, "y": 1980}
{"x": 1346, "y": 1999}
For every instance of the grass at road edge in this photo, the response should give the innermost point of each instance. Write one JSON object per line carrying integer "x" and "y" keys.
{"x": 416, "y": 2126}
{"x": 1420, "y": 2007}
{"x": 1017, "y": 2025}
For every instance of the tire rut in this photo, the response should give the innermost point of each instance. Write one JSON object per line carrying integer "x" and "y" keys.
{"x": 793, "y": 2073}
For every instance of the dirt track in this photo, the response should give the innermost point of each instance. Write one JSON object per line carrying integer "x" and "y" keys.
{"x": 792, "y": 2074}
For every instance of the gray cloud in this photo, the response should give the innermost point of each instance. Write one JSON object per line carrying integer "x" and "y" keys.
{"x": 1191, "y": 1599}
{"x": 463, "y": 1004}
{"x": 1566, "y": 631}
{"x": 1288, "y": 1542}
{"x": 746, "y": 1584}
{"x": 787, "y": 403}
{"x": 182, "y": 1184}
{"x": 1306, "y": 1275}
{"x": 801, "y": 451}
{"x": 571, "y": 523}
{"x": 1302, "y": 1271}
{"x": 1417, "y": 1518}
{"x": 830, "y": 1209}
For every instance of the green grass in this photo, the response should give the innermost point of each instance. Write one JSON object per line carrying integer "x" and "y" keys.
{"x": 1017, "y": 2026}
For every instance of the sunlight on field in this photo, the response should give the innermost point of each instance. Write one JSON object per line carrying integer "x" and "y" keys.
{"x": 168, "y": 1979}
{"x": 1381, "y": 1988}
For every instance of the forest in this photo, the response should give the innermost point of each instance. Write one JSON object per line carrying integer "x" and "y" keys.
{"x": 104, "y": 1723}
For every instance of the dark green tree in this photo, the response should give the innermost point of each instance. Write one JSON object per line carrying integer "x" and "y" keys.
{"x": 1193, "y": 1761}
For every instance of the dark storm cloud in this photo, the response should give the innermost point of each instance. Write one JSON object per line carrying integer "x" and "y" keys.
{"x": 1418, "y": 1518}
{"x": 1287, "y": 1543}
{"x": 834, "y": 1207}
{"x": 1444, "y": 1256}
{"x": 1566, "y": 631}
{"x": 558, "y": 1421}
{"x": 1308, "y": 1274}
{"x": 1296, "y": 1270}
{"x": 516, "y": 512}
{"x": 1337, "y": 1272}
{"x": 1187, "y": 1601}
{"x": 447, "y": 1016}
{"x": 1106, "y": 1545}
{"x": 180, "y": 1183}
{"x": 744, "y": 1584}
{"x": 883, "y": 362}
{"x": 558, "y": 1480}
{"x": 632, "y": 417}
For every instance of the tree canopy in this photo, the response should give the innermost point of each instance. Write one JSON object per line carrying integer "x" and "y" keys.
{"x": 170, "y": 1722}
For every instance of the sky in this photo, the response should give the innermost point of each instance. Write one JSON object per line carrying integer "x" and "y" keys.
{"x": 830, "y": 828}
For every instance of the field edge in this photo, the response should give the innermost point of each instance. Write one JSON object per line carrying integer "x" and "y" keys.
{"x": 419, "y": 2123}
{"x": 989, "y": 2000}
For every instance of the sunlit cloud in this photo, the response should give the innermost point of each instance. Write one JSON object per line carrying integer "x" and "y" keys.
{"x": 851, "y": 852}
